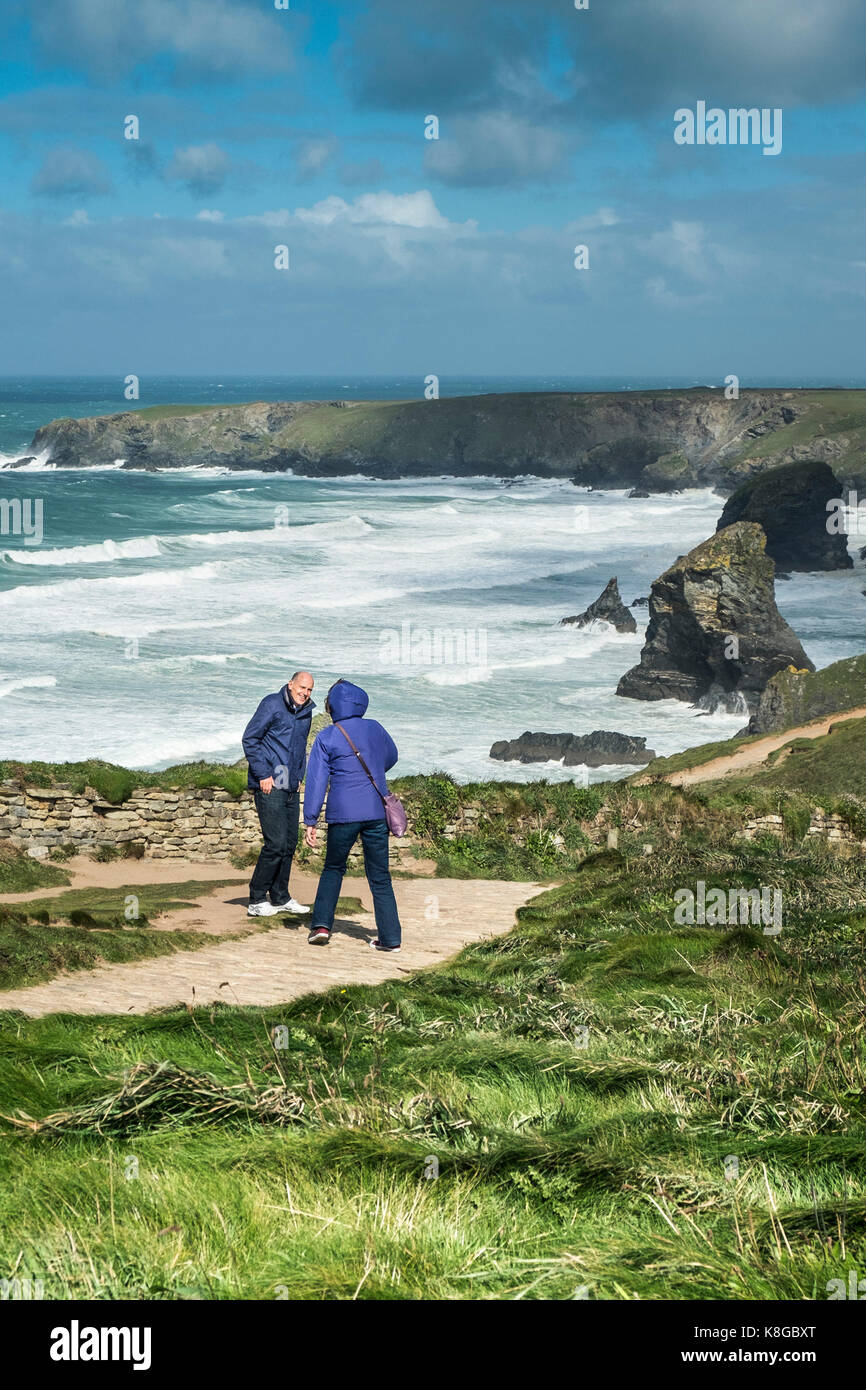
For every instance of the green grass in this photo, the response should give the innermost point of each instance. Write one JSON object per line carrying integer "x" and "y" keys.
{"x": 163, "y": 412}
{"x": 21, "y": 874}
{"x": 87, "y": 927}
{"x": 83, "y": 928}
{"x": 824, "y": 770}
{"x": 695, "y": 757}
{"x": 829, "y": 772}
{"x": 514, "y": 834}
{"x": 800, "y": 696}
{"x": 32, "y": 951}
{"x": 183, "y": 1154}
{"x": 834, "y": 413}
{"x": 350, "y": 906}
{"x": 152, "y": 898}
{"x": 114, "y": 783}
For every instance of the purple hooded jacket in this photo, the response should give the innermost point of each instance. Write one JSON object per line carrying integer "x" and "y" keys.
{"x": 351, "y": 796}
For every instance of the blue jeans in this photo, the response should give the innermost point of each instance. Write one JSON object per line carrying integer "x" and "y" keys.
{"x": 279, "y": 812}
{"x": 374, "y": 841}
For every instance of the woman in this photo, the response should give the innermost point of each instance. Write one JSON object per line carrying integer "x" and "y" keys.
{"x": 355, "y": 807}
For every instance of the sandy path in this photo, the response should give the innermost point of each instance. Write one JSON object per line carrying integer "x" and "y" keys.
{"x": 758, "y": 752}
{"x": 275, "y": 963}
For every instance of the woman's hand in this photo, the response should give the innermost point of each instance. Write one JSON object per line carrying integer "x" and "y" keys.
{"x": 310, "y": 833}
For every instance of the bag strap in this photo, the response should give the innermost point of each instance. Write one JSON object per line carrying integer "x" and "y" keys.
{"x": 361, "y": 761}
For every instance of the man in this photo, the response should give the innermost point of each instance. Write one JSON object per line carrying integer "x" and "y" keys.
{"x": 275, "y": 744}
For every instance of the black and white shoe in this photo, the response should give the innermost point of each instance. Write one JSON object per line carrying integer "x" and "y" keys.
{"x": 319, "y": 936}
{"x": 376, "y": 945}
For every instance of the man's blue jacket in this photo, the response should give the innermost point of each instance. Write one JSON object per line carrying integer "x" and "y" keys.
{"x": 352, "y": 796}
{"x": 275, "y": 741}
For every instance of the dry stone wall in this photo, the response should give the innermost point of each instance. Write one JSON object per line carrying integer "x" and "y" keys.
{"x": 209, "y": 823}
{"x": 153, "y": 823}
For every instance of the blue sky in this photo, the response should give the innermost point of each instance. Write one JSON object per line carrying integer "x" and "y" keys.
{"x": 305, "y": 127}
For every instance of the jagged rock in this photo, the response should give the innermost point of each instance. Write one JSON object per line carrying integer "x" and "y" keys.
{"x": 608, "y": 608}
{"x": 715, "y": 635}
{"x": 639, "y": 492}
{"x": 598, "y": 749}
{"x": 640, "y": 602}
{"x": 795, "y": 697}
{"x": 790, "y": 504}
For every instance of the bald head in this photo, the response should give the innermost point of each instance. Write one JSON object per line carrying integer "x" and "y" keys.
{"x": 301, "y": 687}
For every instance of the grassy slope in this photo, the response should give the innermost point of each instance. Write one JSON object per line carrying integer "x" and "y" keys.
{"x": 21, "y": 874}
{"x": 695, "y": 757}
{"x": 826, "y": 770}
{"x": 561, "y": 1165}
{"x": 836, "y": 413}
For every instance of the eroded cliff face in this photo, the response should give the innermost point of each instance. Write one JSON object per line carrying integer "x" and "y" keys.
{"x": 654, "y": 440}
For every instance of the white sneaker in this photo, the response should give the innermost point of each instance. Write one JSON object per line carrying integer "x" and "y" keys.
{"x": 262, "y": 910}
{"x": 292, "y": 906}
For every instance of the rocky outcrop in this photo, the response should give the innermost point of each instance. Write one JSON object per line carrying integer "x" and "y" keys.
{"x": 790, "y": 504}
{"x": 599, "y": 749}
{"x": 643, "y": 439}
{"x": 796, "y": 697}
{"x": 667, "y": 473}
{"x": 715, "y": 636}
{"x": 607, "y": 608}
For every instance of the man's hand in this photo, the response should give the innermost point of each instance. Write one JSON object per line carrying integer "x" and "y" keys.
{"x": 267, "y": 784}
{"x": 310, "y": 833}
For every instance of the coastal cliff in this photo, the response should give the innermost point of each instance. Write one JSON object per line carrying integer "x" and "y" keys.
{"x": 614, "y": 439}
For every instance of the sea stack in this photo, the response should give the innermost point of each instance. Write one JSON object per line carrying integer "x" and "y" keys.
{"x": 715, "y": 636}
{"x": 790, "y": 503}
{"x": 608, "y": 608}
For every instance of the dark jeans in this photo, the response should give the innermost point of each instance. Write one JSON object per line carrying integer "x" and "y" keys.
{"x": 279, "y": 811}
{"x": 374, "y": 841}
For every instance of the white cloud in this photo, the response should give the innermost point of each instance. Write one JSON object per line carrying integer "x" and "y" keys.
{"x": 203, "y": 168}
{"x": 219, "y": 37}
{"x": 416, "y": 210}
{"x": 493, "y": 149}
{"x": 69, "y": 172}
{"x": 313, "y": 154}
